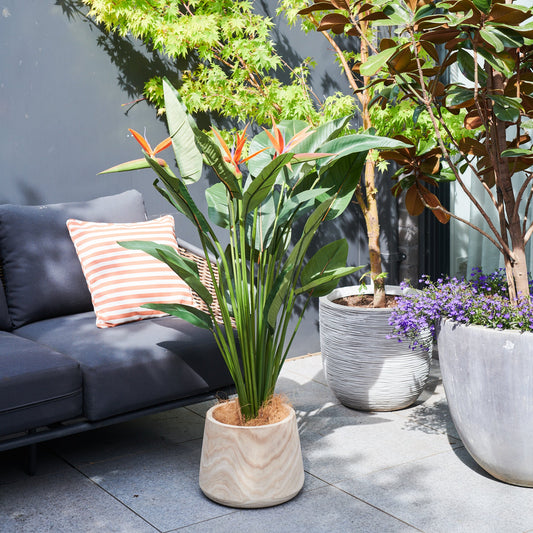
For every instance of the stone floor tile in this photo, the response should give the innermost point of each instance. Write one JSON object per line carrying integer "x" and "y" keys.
{"x": 130, "y": 438}
{"x": 309, "y": 366}
{"x": 13, "y": 465}
{"x": 322, "y": 510}
{"x": 446, "y": 493}
{"x": 339, "y": 443}
{"x": 65, "y": 502}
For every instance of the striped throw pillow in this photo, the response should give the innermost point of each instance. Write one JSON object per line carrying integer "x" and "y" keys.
{"x": 121, "y": 280}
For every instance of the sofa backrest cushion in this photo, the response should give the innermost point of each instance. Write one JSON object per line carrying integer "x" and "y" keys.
{"x": 5, "y": 322}
{"x": 42, "y": 273}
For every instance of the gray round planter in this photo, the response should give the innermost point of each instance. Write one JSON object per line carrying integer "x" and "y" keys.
{"x": 488, "y": 379}
{"x": 365, "y": 369}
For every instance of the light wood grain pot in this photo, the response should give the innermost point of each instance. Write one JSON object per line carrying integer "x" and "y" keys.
{"x": 251, "y": 466}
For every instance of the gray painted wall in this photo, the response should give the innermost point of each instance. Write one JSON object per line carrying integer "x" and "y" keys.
{"x": 63, "y": 86}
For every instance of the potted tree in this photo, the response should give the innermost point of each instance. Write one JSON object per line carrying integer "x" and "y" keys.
{"x": 257, "y": 278}
{"x": 486, "y": 366}
{"x": 365, "y": 368}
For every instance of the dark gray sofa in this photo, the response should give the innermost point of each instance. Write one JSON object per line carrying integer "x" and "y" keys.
{"x": 59, "y": 373}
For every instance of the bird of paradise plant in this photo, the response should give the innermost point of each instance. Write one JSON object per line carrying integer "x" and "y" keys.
{"x": 259, "y": 275}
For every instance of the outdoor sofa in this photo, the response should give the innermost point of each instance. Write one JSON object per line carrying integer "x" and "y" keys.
{"x": 59, "y": 373}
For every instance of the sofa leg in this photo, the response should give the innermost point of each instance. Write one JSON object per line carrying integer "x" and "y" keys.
{"x": 31, "y": 458}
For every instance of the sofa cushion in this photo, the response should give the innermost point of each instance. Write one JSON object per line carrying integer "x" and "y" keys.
{"x": 5, "y": 322}
{"x": 122, "y": 280}
{"x": 37, "y": 385}
{"x": 136, "y": 365}
{"x": 42, "y": 273}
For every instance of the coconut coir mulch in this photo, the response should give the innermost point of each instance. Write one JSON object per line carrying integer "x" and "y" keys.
{"x": 276, "y": 410}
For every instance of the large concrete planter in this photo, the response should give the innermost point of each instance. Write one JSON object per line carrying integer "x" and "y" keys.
{"x": 251, "y": 466}
{"x": 488, "y": 378}
{"x": 365, "y": 369}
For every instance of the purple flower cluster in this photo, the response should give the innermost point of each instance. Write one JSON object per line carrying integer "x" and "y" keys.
{"x": 481, "y": 300}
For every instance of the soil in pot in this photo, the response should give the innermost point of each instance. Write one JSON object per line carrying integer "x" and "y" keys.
{"x": 364, "y": 300}
{"x": 275, "y": 410}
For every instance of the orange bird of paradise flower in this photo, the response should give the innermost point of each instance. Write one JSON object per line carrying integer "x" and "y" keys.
{"x": 233, "y": 156}
{"x": 278, "y": 142}
{"x": 163, "y": 145}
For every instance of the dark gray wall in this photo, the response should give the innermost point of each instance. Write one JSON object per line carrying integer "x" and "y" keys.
{"x": 63, "y": 86}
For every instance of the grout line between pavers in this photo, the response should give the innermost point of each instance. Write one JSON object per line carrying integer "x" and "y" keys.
{"x": 229, "y": 513}
{"x": 361, "y": 500}
{"x": 67, "y": 462}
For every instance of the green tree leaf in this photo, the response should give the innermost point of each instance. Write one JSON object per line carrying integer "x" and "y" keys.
{"x": 377, "y": 61}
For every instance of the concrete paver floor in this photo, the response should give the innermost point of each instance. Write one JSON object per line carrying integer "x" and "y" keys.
{"x": 403, "y": 471}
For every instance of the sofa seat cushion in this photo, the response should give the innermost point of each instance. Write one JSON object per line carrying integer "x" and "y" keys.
{"x": 134, "y": 365}
{"x": 38, "y": 386}
{"x": 42, "y": 274}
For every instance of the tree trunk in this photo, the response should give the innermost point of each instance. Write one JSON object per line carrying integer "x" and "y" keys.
{"x": 370, "y": 210}
{"x": 515, "y": 265}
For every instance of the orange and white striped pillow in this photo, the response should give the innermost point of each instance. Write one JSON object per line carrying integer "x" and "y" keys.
{"x": 121, "y": 280}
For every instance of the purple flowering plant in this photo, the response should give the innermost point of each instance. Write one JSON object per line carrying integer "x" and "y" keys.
{"x": 482, "y": 299}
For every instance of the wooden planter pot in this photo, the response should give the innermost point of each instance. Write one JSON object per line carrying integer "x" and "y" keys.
{"x": 251, "y": 466}
{"x": 365, "y": 369}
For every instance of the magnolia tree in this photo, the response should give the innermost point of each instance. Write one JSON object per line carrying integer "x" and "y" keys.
{"x": 337, "y": 20}
{"x": 491, "y": 44}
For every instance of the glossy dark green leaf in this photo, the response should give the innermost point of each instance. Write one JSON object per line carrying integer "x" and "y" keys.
{"x": 483, "y": 5}
{"x": 377, "y": 61}
{"x": 491, "y": 38}
{"x": 467, "y": 65}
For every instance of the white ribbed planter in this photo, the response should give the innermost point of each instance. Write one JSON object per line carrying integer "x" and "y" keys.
{"x": 251, "y": 466}
{"x": 365, "y": 369}
{"x": 488, "y": 378}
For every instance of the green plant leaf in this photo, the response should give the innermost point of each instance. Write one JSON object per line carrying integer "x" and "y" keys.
{"x": 483, "y": 5}
{"x": 194, "y": 316}
{"x": 128, "y": 165}
{"x": 328, "y": 282}
{"x": 355, "y": 143}
{"x": 341, "y": 179}
{"x": 457, "y": 95}
{"x": 188, "y": 157}
{"x": 325, "y": 268}
{"x": 467, "y": 65}
{"x": 183, "y": 200}
{"x": 217, "y": 205}
{"x": 517, "y": 152}
{"x": 491, "y": 38}
{"x": 277, "y": 295}
{"x": 259, "y": 187}
{"x": 377, "y": 61}
{"x": 213, "y": 158}
{"x": 506, "y": 108}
